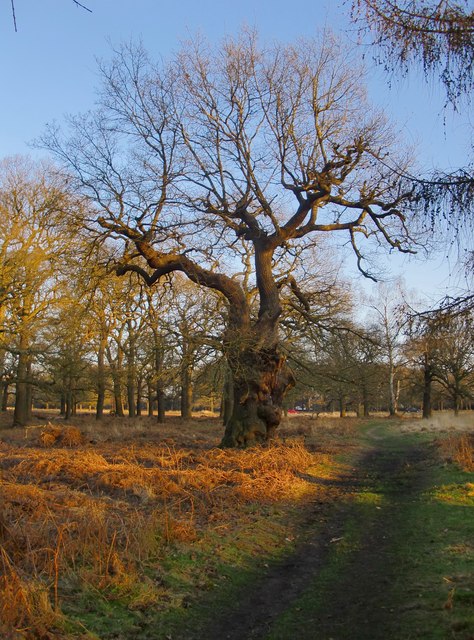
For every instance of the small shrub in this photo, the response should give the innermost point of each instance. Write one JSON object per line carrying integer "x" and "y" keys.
{"x": 64, "y": 436}
{"x": 459, "y": 449}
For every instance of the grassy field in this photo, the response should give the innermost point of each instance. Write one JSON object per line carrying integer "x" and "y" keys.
{"x": 139, "y": 530}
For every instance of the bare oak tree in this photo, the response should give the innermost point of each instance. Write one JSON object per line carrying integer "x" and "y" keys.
{"x": 238, "y": 155}
{"x": 454, "y": 358}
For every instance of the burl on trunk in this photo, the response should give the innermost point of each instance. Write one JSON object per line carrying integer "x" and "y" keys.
{"x": 261, "y": 378}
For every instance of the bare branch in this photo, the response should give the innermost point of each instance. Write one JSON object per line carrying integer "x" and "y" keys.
{"x": 436, "y": 34}
{"x": 13, "y": 15}
{"x": 82, "y": 6}
{"x": 78, "y": 4}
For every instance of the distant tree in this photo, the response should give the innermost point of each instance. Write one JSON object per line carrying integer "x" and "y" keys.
{"x": 67, "y": 358}
{"x": 101, "y": 326}
{"x": 36, "y": 234}
{"x": 335, "y": 375}
{"x": 265, "y": 148}
{"x": 420, "y": 350}
{"x": 442, "y": 346}
{"x": 345, "y": 371}
{"x": 312, "y": 326}
{"x": 390, "y": 317}
{"x": 130, "y": 311}
{"x": 80, "y": 329}
{"x": 365, "y": 356}
{"x": 453, "y": 356}
{"x": 160, "y": 347}
{"x": 196, "y": 319}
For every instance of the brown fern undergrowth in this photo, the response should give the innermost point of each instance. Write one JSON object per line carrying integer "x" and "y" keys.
{"x": 88, "y": 507}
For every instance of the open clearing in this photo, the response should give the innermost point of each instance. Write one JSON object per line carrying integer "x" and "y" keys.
{"x": 342, "y": 529}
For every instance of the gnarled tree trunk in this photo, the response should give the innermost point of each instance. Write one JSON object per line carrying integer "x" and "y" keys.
{"x": 260, "y": 380}
{"x": 260, "y": 374}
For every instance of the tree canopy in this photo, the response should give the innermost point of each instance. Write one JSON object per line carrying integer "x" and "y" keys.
{"x": 232, "y": 156}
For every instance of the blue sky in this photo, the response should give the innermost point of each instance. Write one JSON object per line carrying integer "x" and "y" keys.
{"x": 48, "y": 69}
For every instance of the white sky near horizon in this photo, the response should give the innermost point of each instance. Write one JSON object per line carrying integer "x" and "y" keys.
{"x": 48, "y": 69}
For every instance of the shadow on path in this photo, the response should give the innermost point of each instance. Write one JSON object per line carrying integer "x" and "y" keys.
{"x": 347, "y": 563}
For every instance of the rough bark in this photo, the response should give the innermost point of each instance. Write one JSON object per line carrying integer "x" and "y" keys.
{"x": 186, "y": 391}
{"x": 227, "y": 398}
{"x": 151, "y": 398}
{"x": 131, "y": 399}
{"x": 116, "y": 369}
{"x": 62, "y": 404}
{"x": 160, "y": 399}
{"x": 5, "y": 392}
{"x": 260, "y": 374}
{"x": 69, "y": 404}
{"x": 138, "y": 410}
{"x": 101, "y": 378}
{"x": 260, "y": 380}
{"x": 22, "y": 411}
{"x": 118, "y": 400}
{"x": 160, "y": 393}
{"x": 131, "y": 372}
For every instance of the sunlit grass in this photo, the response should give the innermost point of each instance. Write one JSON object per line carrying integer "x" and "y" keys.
{"x": 115, "y": 528}
{"x": 369, "y": 497}
{"x": 456, "y": 494}
{"x": 87, "y": 524}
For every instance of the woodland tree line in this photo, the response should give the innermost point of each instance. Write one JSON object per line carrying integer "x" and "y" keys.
{"x": 74, "y": 334}
{"x": 209, "y": 183}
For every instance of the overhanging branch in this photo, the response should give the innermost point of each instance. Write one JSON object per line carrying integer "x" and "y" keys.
{"x": 78, "y": 4}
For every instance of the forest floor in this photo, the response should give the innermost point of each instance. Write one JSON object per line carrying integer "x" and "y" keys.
{"x": 359, "y": 529}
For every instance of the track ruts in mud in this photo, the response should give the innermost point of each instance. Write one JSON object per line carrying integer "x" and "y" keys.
{"x": 357, "y": 605}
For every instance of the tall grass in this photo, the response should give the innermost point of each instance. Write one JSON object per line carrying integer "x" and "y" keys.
{"x": 76, "y": 515}
{"x": 460, "y": 449}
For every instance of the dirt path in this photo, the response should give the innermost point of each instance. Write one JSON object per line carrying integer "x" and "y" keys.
{"x": 347, "y": 564}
